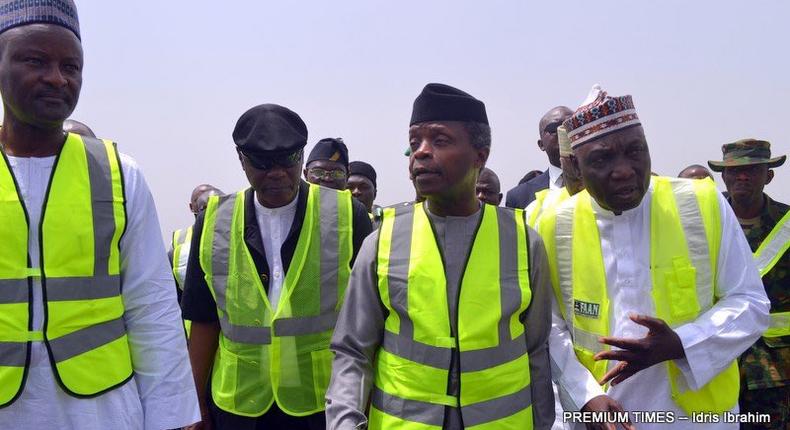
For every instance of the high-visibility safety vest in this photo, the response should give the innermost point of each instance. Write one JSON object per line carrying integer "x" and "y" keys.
{"x": 267, "y": 355}
{"x": 82, "y": 220}
{"x": 685, "y": 236}
{"x": 545, "y": 200}
{"x": 771, "y": 250}
{"x": 414, "y": 360}
{"x": 182, "y": 239}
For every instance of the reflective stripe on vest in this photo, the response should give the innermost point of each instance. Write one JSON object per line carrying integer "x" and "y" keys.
{"x": 414, "y": 359}
{"x": 182, "y": 239}
{"x": 533, "y": 209}
{"x": 779, "y": 326}
{"x": 685, "y": 216}
{"x": 280, "y": 355}
{"x": 547, "y": 200}
{"x": 82, "y": 221}
{"x": 773, "y": 246}
{"x": 771, "y": 250}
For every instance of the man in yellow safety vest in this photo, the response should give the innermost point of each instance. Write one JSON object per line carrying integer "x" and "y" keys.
{"x": 657, "y": 294}
{"x": 446, "y": 318}
{"x": 90, "y": 334}
{"x": 266, "y": 277}
{"x": 765, "y": 367}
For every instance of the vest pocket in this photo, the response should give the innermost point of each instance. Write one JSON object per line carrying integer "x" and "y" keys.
{"x": 322, "y": 369}
{"x": 684, "y": 304}
{"x": 678, "y": 286}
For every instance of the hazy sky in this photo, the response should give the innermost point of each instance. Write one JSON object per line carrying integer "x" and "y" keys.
{"x": 168, "y": 79}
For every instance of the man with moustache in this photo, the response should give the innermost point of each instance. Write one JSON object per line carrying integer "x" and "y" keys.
{"x": 265, "y": 280}
{"x": 327, "y": 164}
{"x": 488, "y": 188}
{"x": 90, "y": 334}
{"x": 657, "y": 293}
{"x": 446, "y": 319}
{"x": 765, "y": 367}
{"x": 362, "y": 184}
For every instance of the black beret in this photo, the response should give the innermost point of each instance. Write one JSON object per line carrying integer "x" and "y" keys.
{"x": 332, "y": 149}
{"x": 270, "y": 129}
{"x": 363, "y": 169}
{"x": 439, "y": 102}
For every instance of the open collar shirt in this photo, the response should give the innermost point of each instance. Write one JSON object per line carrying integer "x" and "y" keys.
{"x": 161, "y": 394}
{"x": 711, "y": 342}
{"x": 274, "y": 224}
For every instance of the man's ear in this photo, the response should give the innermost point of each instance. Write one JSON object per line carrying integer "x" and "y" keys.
{"x": 540, "y": 145}
{"x": 304, "y": 172}
{"x": 482, "y": 158}
{"x": 770, "y": 177}
{"x": 499, "y": 200}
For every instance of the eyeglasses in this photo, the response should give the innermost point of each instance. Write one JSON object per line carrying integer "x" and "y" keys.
{"x": 326, "y": 175}
{"x": 267, "y": 162}
{"x": 552, "y": 128}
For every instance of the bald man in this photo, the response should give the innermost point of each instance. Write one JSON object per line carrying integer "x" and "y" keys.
{"x": 179, "y": 250}
{"x": 695, "y": 171}
{"x": 524, "y": 194}
{"x": 488, "y": 188}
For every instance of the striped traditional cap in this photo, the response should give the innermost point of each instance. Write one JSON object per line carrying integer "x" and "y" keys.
{"x": 599, "y": 115}
{"x": 14, "y": 13}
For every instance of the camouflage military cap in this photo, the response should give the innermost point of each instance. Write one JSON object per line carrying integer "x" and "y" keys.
{"x": 746, "y": 152}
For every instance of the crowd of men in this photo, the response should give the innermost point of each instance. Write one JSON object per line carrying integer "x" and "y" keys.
{"x": 297, "y": 303}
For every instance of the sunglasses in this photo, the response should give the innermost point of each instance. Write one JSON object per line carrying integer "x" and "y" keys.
{"x": 552, "y": 128}
{"x": 267, "y": 162}
{"x": 325, "y": 174}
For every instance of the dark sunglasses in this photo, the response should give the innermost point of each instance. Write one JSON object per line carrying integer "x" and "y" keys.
{"x": 267, "y": 162}
{"x": 552, "y": 128}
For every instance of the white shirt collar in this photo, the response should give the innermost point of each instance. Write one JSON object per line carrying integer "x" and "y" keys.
{"x": 263, "y": 210}
{"x": 554, "y": 175}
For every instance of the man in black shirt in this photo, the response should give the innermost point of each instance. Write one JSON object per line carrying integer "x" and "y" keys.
{"x": 281, "y": 223}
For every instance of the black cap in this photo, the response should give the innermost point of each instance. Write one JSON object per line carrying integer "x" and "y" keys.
{"x": 330, "y": 148}
{"x": 439, "y": 102}
{"x": 269, "y": 130}
{"x": 363, "y": 169}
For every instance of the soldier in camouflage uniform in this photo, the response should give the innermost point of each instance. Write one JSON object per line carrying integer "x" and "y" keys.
{"x": 765, "y": 367}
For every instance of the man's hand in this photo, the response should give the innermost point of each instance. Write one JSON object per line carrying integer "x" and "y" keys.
{"x": 660, "y": 344}
{"x": 604, "y": 403}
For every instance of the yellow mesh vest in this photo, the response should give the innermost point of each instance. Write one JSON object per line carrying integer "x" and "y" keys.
{"x": 282, "y": 354}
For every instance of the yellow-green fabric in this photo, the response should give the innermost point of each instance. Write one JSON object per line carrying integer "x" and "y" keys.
{"x": 264, "y": 354}
{"x": 413, "y": 362}
{"x": 684, "y": 247}
{"x": 540, "y": 196}
{"x": 182, "y": 238}
{"x": 779, "y": 325}
{"x": 546, "y": 200}
{"x": 773, "y": 248}
{"x": 82, "y": 221}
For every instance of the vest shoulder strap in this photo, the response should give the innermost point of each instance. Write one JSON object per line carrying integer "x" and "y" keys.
{"x": 774, "y": 246}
